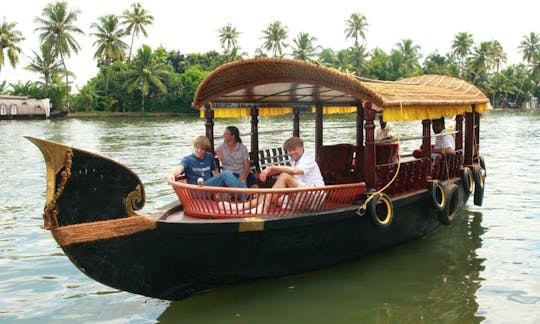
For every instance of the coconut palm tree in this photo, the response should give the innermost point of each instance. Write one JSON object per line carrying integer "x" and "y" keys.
{"x": 497, "y": 54}
{"x": 359, "y": 59}
{"x": 47, "y": 64}
{"x": 480, "y": 61}
{"x": 529, "y": 46}
{"x": 409, "y": 57}
{"x": 146, "y": 70}
{"x": 356, "y": 27}
{"x": 304, "y": 47}
{"x": 461, "y": 47}
{"x": 136, "y": 21}
{"x": 530, "y": 49}
{"x": 110, "y": 46}
{"x": 274, "y": 38}
{"x": 9, "y": 38}
{"x": 228, "y": 37}
{"x": 56, "y": 32}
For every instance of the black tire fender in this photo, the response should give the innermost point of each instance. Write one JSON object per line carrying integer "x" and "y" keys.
{"x": 449, "y": 213}
{"x": 467, "y": 181}
{"x": 380, "y": 210}
{"x": 479, "y": 183}
{"x": 437, "y": 195}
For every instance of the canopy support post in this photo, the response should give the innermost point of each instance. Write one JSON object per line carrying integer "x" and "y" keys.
{"x": 459, "y": 134}
{"x": 469, "y": 138}
{"x": 370, "y": 170}
{"x": 426, "y": 138}
{"x": 296, "y": 121}
{"x": 209, "y": 124}
{"x": 318, "y": 128}
{"x": 254, "y": 112}
{"x": 359, "y": 154}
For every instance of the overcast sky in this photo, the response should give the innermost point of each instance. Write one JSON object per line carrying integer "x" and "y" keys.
{"x": 192, "y": 25}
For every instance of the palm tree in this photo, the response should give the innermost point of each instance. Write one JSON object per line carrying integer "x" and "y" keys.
{"x": 145, "y": 71}
{"x": 529, "y": 47}
{"x": 328, "y": 57}
{"x": 228, "y": 37}
{"x": 56, "y": 32}
{"x": 356, "y": 27}
{"x": 109, "y": 43}
{"x": 136, "y": 21}
{"x": 304, "y": 48}
{"x": 481, "y": 60}
{"x": 275, "y": 36}
{"x": 461, "y": 47}
{"x": 9, "y": 37}
{"x": 359, "y": 59}
{"x": 47, "y": 64}
{"x": 497, "y": 54}
{"x": 409, "y": 56}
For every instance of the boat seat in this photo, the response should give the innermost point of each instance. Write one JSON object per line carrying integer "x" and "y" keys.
{"x": 386, "y": 152}
{"x": 336, "y": 163}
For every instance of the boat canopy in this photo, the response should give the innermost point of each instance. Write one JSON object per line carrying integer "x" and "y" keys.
{"x": 280, "y": 83}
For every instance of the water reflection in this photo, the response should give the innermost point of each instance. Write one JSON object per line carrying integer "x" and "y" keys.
{"x": 430, "y": 280}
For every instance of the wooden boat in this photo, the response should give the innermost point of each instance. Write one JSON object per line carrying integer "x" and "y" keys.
{"x": 372, "y": 201}
{"x": 22, "y": 107}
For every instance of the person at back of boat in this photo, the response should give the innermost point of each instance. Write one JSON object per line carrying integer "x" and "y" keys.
{"x": 384, "y": 131}
{"x": 234, "y": 156}
{"x": 444, "y": 142}
{"x": 200, "y": 166}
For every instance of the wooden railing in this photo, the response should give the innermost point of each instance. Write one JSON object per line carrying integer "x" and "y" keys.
{"x": 222, "y": 202}
{"x": 413, "y": 175}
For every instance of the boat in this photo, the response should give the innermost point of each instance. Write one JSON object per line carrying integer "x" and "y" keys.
{"x": 23, "y": 107}
{"x": 373, "y": 198}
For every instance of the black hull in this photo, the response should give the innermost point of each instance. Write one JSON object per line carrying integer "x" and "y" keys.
{"x": 175, "y": 259}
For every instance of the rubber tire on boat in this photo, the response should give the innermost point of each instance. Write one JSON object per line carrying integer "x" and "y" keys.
{"x": 437, "y": 195}
{"x": 478, "y": 176}
{"x": 385, "y": 204}
{"x": 447, "y": 215}
{"x": 467, "y": 181}
{"x": 483, "y": 165}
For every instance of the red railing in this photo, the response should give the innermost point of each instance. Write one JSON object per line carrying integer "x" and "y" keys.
{"x": 223, "y": 202}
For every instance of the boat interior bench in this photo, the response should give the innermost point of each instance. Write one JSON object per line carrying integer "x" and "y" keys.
{"x": 262, "y": 159}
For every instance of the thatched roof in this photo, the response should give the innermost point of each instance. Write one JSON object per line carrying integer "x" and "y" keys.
{"x": 275, "y": 81}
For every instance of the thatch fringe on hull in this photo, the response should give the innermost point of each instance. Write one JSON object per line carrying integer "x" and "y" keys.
{"x": 89, "y": 232}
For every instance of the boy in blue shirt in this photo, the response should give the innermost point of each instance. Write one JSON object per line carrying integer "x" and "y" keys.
{"x": 201, "y": 164}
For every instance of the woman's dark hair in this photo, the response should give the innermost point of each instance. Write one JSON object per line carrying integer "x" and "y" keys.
{"x": 235, "y": 132}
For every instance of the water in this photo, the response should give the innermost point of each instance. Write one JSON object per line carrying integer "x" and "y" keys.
{"x": 485, "y": 267}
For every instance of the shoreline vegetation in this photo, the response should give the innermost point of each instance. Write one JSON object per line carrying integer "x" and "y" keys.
{"x": 163, "y": 80}
{"x": 108, "y": 114}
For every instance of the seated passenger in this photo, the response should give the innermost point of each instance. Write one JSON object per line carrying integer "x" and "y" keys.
{"x": 200, "y": 165}
{"x": 234, "y": 156}
{"x": 384, "y": 131}
{"x": 444, "y": 143}
{"x": 304, "y": 172}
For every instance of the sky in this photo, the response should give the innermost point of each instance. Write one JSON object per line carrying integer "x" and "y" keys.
{"x": 191, "y": 26}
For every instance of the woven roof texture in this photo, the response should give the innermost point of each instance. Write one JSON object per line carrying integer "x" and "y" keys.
{"x": 278, "y": 81}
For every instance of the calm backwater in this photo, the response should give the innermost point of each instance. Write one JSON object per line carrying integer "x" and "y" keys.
{"x": 485, "y": 267}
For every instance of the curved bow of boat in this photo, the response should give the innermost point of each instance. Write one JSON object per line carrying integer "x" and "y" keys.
{"x": 84, "y": 187}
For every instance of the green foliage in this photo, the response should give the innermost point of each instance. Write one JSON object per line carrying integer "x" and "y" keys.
{"x": 164, "y": 80}
{"x": 438, "y": 64}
